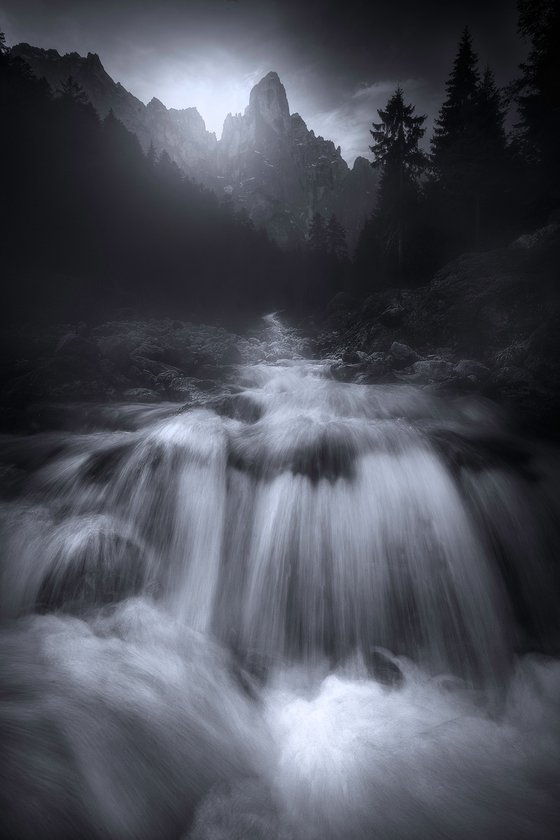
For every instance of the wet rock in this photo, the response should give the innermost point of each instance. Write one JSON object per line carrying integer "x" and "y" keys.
{"x": 208, "y": 371}
{"x": 402, "y": 355}
{"x": 470, "y": 367}
{"x": 155, "y": 368}
{"x": 238, "y": 407}
{"x": 536, "y": 239}
{"x": 116, "y": 350}
{"x": 382, "y": 668}
{"x": 141, "y": 395}
{"x": 351, "y": 357}
{"x": 346, "y": 372}
{"x": 233, "y": 355}
{"x": 426, "y": 371}
{"x": 376, "y": 371}
{"x": 393, "y": 316}
{"x": 101, "y": 466}
{"x": 164, "y": 380}
{"x": 453, "y": 386}
{"x": 150, "y": 350}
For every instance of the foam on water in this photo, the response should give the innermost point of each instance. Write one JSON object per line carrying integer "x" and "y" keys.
{"x": 299, "y": 612}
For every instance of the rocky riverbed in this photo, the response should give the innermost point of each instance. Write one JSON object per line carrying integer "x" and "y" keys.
{"x": 487, "y": 324}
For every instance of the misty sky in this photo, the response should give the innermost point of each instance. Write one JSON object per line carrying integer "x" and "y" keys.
{"x": 339, "y": 61}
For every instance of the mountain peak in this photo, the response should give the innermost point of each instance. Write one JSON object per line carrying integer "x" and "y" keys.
{"x": 156, "y": 104}
{"x": 273, "y": 77}
{"x": 268, "y": 98}
{"x": 94, "y": 61}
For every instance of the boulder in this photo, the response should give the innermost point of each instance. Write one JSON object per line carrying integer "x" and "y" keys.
{"x": 143, "y": 395}
{"x": 351, "y": 357}
{"x": 402, "y": 355}
{"x": 426, "y": 371}
{"x": 471, "y": 368}
{"x": 393, "y": 316}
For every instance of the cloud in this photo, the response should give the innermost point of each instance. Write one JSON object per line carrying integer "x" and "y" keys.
{"x": 348, "y": 124}
{"x": 385, "y": 88}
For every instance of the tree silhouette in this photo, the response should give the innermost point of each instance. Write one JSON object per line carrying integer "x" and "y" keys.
{"x": 70, "y": 90}
{"x": 87, "y": 224}
{"x": 151, "y": 156}
{"x": 336, "y": 239}
{"x": 537, "y": 94}
{"x": 401, "y": 162}
{"x": 317, "y": 235}
{"x": 470, "y": 159}
{"x": 455, "y": 148}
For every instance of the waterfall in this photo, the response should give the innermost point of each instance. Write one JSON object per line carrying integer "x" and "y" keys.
{"x": 273, "y": 613}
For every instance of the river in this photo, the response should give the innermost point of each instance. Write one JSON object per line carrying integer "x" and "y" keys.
{"x": 308, "y": 610}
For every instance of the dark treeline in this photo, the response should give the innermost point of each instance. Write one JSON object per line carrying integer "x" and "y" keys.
{"x": 477, "y": 187}
{"x": 91, "y": 224}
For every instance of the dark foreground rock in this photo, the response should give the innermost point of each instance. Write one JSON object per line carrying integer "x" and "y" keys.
{"x": 487, "y": 322}
{"x": 126, "y": 360}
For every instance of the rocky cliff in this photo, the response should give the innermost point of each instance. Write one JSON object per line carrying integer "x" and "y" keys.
{"x": 487, "y": 322}
{"x": 181, "y": 132}
{"x": 267, "y": 160}
{"x": 282, "y": 173}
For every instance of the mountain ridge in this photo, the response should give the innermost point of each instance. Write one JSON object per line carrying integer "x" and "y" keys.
{"x": 267, "y": 161}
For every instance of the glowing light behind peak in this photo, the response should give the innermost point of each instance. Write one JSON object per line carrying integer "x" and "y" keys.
{"x": 215, "y": 86}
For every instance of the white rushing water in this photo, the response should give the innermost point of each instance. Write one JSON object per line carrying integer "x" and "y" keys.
{"x": 309, "y": 610}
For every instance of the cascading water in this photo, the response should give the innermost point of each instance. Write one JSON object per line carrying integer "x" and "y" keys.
{"x": 296, "y": 613}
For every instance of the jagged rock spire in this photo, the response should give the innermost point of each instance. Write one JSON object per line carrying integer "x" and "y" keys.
{"x": 268, "y": 100}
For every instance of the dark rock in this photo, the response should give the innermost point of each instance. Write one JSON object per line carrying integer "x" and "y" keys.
{"x": 75, "y": 345}
{"x": 155, "y": 368}
{"x": 238, "y": 407}
{"x": 141, "y": 395}
{"x": 116, "y": 349}
{"x": 233, "y": 355}
{"x": 164, "y": 380}
{"x": 393, "y": 316}
{"x": 149, "y": 350}
{"x": 207, "y": 371}
{"x": 403, "y": 355}
{"x": 351, "y": 357}
{"x": 453, "y": 386}
{"x": 382, "y": 668}
{"x": 482, "y": 452}
{"x": 376, "y": 371}
{"x": 470, "y": 367}
{"x": 338, "y": 308}
{"x": 101, "y": 466}
{"x": 346, "y": 372}
{"x": 426, "y": 371}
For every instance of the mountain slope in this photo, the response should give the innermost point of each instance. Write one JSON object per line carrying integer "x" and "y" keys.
{"x": 267, "y": 160}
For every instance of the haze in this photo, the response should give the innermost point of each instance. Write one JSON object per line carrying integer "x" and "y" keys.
{"x": 338, "y": 62}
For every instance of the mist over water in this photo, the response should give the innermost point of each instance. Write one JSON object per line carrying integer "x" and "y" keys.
{"x": 307, "y": 610}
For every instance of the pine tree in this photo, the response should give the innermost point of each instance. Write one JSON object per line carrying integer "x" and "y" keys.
{"x": 317, "y": 235}
{"x": 401, "y": 162}
{"x": 491, "y": 115}
{"x": 491, "y": 168}
{"x": 469, "y": 153}
{"x": 455, "y": 149}
{"x": 336, "y": 239}
{"x": 151, "y": 156}
{"x": 167, "y": 168}
{"x": 537, "y": 94}
{"x": 453, "y": 135}
{"x": 72, "y": 92}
